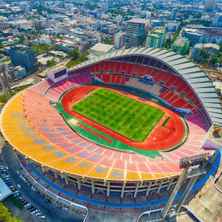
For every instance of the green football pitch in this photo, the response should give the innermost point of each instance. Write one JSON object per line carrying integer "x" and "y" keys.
{"x": 124, "y": 115}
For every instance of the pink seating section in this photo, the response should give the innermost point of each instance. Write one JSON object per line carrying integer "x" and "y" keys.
{"x": 197, "y": 118}
{"x": 45, "y": 120}
{"x": 42, "y": 86}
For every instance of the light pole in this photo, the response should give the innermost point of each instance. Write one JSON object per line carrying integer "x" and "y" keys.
{"x": 193, "y": 168}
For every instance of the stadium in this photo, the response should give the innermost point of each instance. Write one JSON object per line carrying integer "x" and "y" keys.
{"x": 111, "y": 132}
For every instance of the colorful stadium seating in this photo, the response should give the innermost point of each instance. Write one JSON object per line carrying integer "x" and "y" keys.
{"x": 42, "y": 86}
{"x": 175, "y": 91}
{"x": 81, "y": 169}
{"x": 52, "y": 127}
{"x": 112, "y": 72}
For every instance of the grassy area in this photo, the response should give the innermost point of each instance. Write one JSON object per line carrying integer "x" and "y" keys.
{"x": 6, "y": 216}
{"x": 74, "y": 62}
{"x": 124, "y": 115}
{"x": 108, "y": 40}
{"x": 42, "y": 48}
{"x": 76, "y": 57}
{"x": 51, "y": 63}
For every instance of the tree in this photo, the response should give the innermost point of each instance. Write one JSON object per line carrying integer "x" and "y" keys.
{"x": 215, "y": 59}
{"x": 168, "y": 43}
{"x": 51, "y": 63}
{"x": 220, "y": 48}
{"x": 74, "y": 54}
{"x": 76, "y": 58}
{"x": 108, "y": 40}
{"x": 1, "y": 45}
{"x": 41, "y": 48}
{"x": 204, "y": 56}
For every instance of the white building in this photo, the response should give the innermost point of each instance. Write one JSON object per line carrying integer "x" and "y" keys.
{"x": 119, "y": 40}
{"x": 100, "y": 49}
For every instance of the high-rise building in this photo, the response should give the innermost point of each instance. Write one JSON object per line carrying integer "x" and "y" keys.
{"x": 156, "y": 39}
{"x": 136, "y": 32}
{"x": 4, "y": 80}
{"x": 4, "y": 25}
{"x": 119, "y": 40}
{"x": 25, "y": 57}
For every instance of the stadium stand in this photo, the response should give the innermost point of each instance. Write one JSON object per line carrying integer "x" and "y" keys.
{"x": 78, "y": 168}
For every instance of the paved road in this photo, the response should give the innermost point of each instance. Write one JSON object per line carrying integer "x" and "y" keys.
{"x": 50, "y": 211}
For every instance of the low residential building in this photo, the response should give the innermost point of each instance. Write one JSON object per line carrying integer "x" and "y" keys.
{"x": 199, "y": 51}
{"x": 217, "y": 21}
{"x": 200, "y": 34}
{"x": 20, "y": 72}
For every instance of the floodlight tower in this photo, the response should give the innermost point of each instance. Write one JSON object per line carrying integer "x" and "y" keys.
{"x": 193, "y": 168}
{"x": 4, "y": 80}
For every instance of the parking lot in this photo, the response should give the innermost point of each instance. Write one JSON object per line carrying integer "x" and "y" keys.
{"x": 26, "y": 202}
{"x": 17, "y": 202}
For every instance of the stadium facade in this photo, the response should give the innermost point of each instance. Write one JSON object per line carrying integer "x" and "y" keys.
{"x": 87, "y": 168}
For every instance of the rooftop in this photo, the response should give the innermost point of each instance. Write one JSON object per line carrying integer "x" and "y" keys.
{"x": 207, "y": 45}
{"x": 138, "y": 20}
{"x": 101, "y": 47}
{"x": 4, "y": 190}
{"x": 199, "y": 30}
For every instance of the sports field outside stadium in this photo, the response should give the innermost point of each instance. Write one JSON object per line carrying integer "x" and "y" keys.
{"x": 122, "y": 114}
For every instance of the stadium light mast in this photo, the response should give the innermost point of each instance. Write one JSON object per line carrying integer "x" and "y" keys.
{"x": 4, "y": 79}
{"x": 193, "y": 168}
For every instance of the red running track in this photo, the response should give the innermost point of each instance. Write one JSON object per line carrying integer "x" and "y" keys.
{"x": 161, "y": 138}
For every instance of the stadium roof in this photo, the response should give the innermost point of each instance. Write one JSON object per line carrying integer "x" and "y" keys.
{"x": 189, "y": 71}
{"x": 4, "y": 190}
